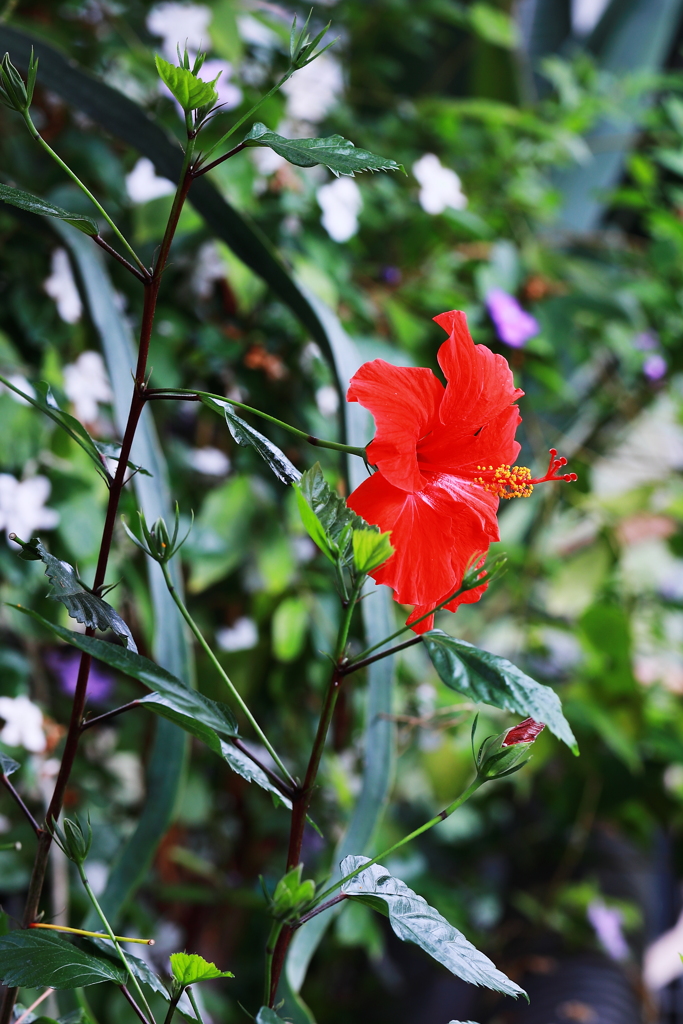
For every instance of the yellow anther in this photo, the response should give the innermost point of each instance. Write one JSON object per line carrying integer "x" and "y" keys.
{"x": 507, "y": 481}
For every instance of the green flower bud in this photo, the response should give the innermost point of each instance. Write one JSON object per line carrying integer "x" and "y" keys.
{"x": 72, "y": 839}
{"x": 504, "y": 754}
{"x": 14, "y": 93}
{"x": 291, "y": 894}
{"x": 158, "y": 543}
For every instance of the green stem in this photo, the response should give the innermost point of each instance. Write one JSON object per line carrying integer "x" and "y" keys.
{"x": 190, "y": 996}
{"x": 343, "y": 634}
{"x": 270, "y": 950}
{"x": 310, "y": 438}
{"x": 74, "y": 177}
{"x": 245, "y": 117}
{"x": 472, "y": 788}
{"x": 112, "y": 937}
{"x": 224, "y": 676}
{"x": 403, "y": 629}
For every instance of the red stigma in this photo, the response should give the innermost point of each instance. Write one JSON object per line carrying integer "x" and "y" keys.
{"x": 553, "y": 465}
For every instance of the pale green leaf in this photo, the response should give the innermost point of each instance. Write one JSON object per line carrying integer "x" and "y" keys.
{"x": 189, "y": 968}
{"x": 191, "y": 92}
{"x": 370, "y": 549}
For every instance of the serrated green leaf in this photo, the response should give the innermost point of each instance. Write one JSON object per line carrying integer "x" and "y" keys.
{"x": 37, "y": 960}
{"x": 80, "y": 602}
{"x": 328, "y": 520}
{"x": 494, "y": 680}
{"x": 413, "y": 920}
{"x": 189, "y": 968}
{"x": 334, "y": 152}
{"x": 191, "y": 92}
{"x": 8, "y": 766}
{"x": 34, "y": 204}
{"x": 370, "y": 550}
{"x": 247, "y": 436}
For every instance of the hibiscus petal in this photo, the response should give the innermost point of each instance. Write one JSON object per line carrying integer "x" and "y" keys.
{"x": 437, "y": 533}
{"x": 404, "y": 401}
{"x": 480, "y": 383}
{"x": 446, "y": 450}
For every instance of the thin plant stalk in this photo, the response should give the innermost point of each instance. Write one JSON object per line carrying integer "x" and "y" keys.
{"x": 74, "y": 177}
{"x": 190, "y": 996}
{"x": 309, "y": 438}
{"x": 271, "y": 946}
{"x": 223, "y": 674}
{"x": 107, "y": 927}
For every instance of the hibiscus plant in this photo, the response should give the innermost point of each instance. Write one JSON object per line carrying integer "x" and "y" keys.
{"x": 419, "y": 519}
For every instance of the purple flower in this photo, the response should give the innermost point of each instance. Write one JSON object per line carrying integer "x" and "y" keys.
{"x": 654, "y": 366}
{"x": 607, "y": 922}
{"x": 514, "y": 325}
{"x": 64, "y": 665}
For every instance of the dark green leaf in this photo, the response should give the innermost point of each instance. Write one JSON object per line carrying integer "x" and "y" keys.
{"x": 244, "y": 766}
{"x": 8, "y": 766}
{"x": 33, "y": 204}
{"x": 493, "y": 680}
{"x": 328, "y": 519}
{"x": 46, "y": 402}
{"x": 246, "y": 436}
{"x": 142, "y": 971}
{"x": 206, "y": 719}
{"x": 413, "y": 920}
{"x": 36, "y": 960}
{"x": 189, "y": 968}
{"x": 191, "y": 92}
{"x": 81, "y": 603}
{"x": 334, "y": 152}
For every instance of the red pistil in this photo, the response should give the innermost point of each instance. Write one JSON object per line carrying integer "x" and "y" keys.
{"x": 553, "y": 466}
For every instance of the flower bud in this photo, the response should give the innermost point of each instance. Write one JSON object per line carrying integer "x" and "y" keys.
{"x": 504, "y": 754}
{"x": 13, "y": 91}
{"x": 291, "y": 894}
{"x": 158, "y": 543}
{"x": 72, "y": 839}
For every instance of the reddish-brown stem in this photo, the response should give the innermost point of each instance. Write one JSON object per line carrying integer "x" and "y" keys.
{"x": 135, "y": 1006}
{"x": 318, "y": 910}
{"x": 15, "y": 796}
{"x": 221, "y": 159}
{"x": 354, "y": 666}
{"x": 74, "y": 731}
{"x": 300, "y": 804}
{"x": 89, "y": 722}
{"x": 98, "y": 240}
{"x": 273, "y": 776}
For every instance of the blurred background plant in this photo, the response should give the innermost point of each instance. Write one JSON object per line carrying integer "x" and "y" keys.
{"x": 545, "y": 198}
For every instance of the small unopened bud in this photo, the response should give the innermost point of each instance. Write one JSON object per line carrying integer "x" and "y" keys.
{"x": 14, "y": 93}
{"x": 507, "y": 753}
{"x": 73, "y": 839}
{"x": 158, "y": 543}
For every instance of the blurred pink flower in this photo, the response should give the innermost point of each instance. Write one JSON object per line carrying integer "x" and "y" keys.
{"x": 607, "y": 922}
{"x": 513, "y": 324}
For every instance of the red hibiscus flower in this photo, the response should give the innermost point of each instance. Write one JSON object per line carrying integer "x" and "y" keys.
{"x": 443, "y": 458}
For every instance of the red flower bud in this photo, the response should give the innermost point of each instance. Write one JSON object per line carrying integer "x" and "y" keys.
{"x": 525, "y": 732}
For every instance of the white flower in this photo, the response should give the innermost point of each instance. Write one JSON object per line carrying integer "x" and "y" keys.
{"x": 209, "y": 267}
{"x": 255, "y": 32}
{"x": 229, "y": 94}
{"x": 180, "y": 25}
{"x": 23, "y": 385}
{"x": 209, "y": 461}
{"x": 23, "y": 724}
{"x": 142, "y": 184}
{"x": 586, "y": 14}
{"x": 327, "y": 400}
{"x": 61, "y": 287}
{"x": 341, "y": 203}
{"x": 440, "y": 186}
{"x": 241, "y": 636}
{"x": 22, "y": 505}
{"x": 85, "y": 384}
{"x": 314, "y": 90}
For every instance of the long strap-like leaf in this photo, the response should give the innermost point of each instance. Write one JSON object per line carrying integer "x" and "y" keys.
{"x": 171, "y": 648}
{"x": 124, "y": 119}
